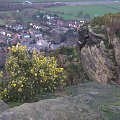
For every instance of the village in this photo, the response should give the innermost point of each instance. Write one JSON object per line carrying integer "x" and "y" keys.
{"x": 47, "y": 32}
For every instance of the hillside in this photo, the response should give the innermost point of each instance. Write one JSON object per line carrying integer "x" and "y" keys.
{"x": 77, "y": 82}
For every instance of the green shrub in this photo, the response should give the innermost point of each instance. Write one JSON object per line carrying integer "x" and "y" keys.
{"x": 72, "y": 64}
{"x": 28, "y": 75}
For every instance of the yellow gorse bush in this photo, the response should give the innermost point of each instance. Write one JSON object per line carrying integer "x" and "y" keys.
{"x": 30, "y": 74}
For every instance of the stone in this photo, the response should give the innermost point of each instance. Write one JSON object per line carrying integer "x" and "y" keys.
{"x": 66, "y": 108}
{"x": 89, "y": 101}
{"x": 3, "y": 106}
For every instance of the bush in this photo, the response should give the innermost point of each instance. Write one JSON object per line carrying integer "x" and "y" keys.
{"x": 69, "y": 59}
{"x": 28, "y": 75}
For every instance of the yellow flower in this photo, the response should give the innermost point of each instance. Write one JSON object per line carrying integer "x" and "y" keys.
{"x": 34, "y": 52}
{"x": 36, "y": 74}
{"x": 5, "y": 90}
{"x": 32, "y": 71}
{"x": 14, "y": 85}
{"x": 61, "y": 69}
{"x": 55, "y": 76}
{"x": 9, "y": 48}
{"x": 44, "y": 59}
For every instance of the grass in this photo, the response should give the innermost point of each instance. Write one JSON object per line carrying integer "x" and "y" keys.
{"x": 2, "y": 22}
{"x": 14, "y": 104}
{"x": 70, "y": 12}
{"x": 12, "y": 14}
{"x": 5, "y": 14}
{"x": 107, "y": 99}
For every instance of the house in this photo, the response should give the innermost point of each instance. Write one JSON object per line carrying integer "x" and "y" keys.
{"x": 42, "y": 44}
{"x": 53, "y": 46}
{"x": 3, "y": 39}
{"x": 26, "y": 36}
{"x": 48, "y": 17}
{"x": 35, "y": 33}
{"x": 9, "y": 35}
{"x": 2, "y": 43}
{"x": 38, "y": 35}
{"x": 58, "y": 34}
{"x": 18, "y": 28}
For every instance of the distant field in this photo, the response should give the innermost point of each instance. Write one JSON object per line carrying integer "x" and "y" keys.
{"x": 92, "y": 10}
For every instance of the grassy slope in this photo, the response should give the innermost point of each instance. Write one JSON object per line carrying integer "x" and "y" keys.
{"x": 2, "y": 22}
{"x": 106, "y": 98}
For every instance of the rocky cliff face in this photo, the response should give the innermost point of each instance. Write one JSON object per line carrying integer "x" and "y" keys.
{"x": 100, "y": 55}
{"x": 96, "y": 64}
{"x": 116, "y": 48}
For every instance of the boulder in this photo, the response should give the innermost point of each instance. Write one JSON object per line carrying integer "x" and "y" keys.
{"x": 3, "y": 106}
{"x": 66, "y": 108}
{"x": 89, "y": 101}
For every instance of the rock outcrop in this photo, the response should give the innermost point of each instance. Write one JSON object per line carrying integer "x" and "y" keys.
{"x": 100, "y": 55}
{"x": 116, "y": 48}
{"x": 90, "y": 101}
{"x": 97, "y": 64}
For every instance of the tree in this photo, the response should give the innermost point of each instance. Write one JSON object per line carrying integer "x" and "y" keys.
{"x": 63, "y": 38}
{"x": 80, "y": 14}
{"x": 56, "y": 15}
{"x": 29, "y": 75}
{"x": 87, "y": 16}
